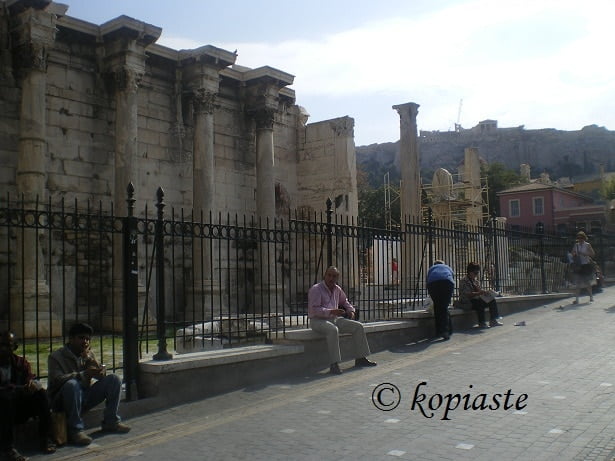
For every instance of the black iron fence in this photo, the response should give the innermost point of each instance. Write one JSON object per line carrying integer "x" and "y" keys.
{"x": 163, "y": 281}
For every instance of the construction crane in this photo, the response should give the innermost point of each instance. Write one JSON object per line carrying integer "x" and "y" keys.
{"x": 458, "y": 124}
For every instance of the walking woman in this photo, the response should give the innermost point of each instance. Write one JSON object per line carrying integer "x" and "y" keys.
{"x": 584, "y": 269}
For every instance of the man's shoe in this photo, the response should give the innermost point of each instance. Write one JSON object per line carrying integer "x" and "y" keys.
{"x": 495, "y": 323}
{"x": 334, "y": 369}
{"x": 80, "y": 438}
{"x": 363, "y": 362}
{"x": 118, "y": 428}
{"x": 483, "y": 325}
{"x": 47, "y": 447}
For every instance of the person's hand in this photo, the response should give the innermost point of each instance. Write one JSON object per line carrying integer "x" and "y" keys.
{"x": 32, "y": 386}
{"x": 338, "y": 312}
{"x": 93, "y": 372}
{"x": 351, "y": 315}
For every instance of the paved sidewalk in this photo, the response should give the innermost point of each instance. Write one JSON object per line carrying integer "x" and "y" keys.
{"x": 562, "y": 359}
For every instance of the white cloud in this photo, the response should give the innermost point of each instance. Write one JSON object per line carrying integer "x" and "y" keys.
{"x": 540, "y": 64}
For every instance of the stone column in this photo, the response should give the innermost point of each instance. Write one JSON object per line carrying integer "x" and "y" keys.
{"x": 126, "y": 81}
{"x": 265, "y": 178}
{"x": 125, "y": 41}
{"x": 203, "y": 199}
{"x": 473, "y": 189}
{"x": 125, "y": 84}
{"x": 409, "y": 161}
{"x": 35, "y": 33}
{"x": 200, "y": 81}
{"x": 414, "y": 258}
{"x": 262, "y": 98}
{"x": 203, "y": 156}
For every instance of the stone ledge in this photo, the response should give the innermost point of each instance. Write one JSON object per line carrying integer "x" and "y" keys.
{"x": 527, "y": 300}
{"x": 307, "y": 334}
{"x": 196, "y": 360}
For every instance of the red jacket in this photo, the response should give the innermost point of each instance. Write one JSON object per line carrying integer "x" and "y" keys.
{"x": 21, "y": 371}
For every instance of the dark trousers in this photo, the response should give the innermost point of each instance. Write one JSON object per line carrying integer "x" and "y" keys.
{"x": 16, "y": 407}
{"x": 441, "y": 292}
{"x": 479, "y": 306}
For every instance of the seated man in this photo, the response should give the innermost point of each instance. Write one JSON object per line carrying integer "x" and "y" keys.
{"x": 21, "y": 397}
{"x": 71, "y": 371}
{"x": 327, "y": 308}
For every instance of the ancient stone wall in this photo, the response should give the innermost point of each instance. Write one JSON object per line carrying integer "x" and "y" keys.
{"x": 85, "y": 108}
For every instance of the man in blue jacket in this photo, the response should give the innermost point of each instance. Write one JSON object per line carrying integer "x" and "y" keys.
{"x": 440, "y": 285}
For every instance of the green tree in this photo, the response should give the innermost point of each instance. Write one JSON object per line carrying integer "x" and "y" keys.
{"x": 498, "y": 178}
{"x": 372, "y": 209}
{"x": 607, "y": 191}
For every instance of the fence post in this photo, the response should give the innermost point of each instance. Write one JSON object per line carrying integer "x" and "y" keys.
{"x": 430, "y": 236}
{"x": 540, "y": 230}
{"x": 161, "y": 324}
{"x": 131, "y": 299}
{"x": 496, "y": 253}
{"x": 329, "y": 233}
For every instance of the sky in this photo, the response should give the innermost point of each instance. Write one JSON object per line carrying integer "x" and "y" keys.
{"x": 536, "y": 63}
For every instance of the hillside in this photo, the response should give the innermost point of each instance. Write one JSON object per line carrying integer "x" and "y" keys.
{"x": 560, "y": 153}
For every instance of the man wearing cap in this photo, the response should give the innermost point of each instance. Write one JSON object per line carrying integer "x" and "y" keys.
{"x": 21, "y": 397}
{"x": 77, "y": 383}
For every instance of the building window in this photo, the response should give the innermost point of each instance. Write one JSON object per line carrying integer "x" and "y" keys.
{"x": 539, "y": 206}
{"x": 515, "y": 208}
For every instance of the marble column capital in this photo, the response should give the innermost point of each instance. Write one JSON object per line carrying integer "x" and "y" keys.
{"x": 407, "y": 112}
{"x": 264, "y": 118}
{"x": 204, "y": 101}
{"x": 126, "y": 79}
{"x": 32, "y": 56}
{"x": 33, "y": 33}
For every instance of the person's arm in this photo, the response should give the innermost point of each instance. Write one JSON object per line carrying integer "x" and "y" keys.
{"x": 27, "y": 378}
{"x": 317, "y": 305}
{"x": 345, "y": 304}
{"x": 60, "y": 372}
{"x": 469, "y": 290}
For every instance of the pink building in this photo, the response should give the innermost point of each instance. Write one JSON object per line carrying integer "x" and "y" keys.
{"x": 558, "y": 209}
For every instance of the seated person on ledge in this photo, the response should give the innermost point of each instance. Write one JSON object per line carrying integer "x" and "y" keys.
{"x": 21, "y": 397}
{"x": 72, "y": 369}
{"x": 331, "y": 313}
{"x": 471, "y": 294}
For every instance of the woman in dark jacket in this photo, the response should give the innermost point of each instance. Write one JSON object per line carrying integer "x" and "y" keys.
{"x": 471, "y": 293}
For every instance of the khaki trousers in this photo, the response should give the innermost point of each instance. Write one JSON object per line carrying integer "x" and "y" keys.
{"x": 331, "y": 330}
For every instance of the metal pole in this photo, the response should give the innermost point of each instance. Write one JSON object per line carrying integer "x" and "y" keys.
{"x": 430, "y": 236}
{"x": 496, "y": 253}
{"x": 131, "y": 315}
{"x": 541, "y": 235}
{"x": 329, "y": 233}
{"x": 162, "y": 353}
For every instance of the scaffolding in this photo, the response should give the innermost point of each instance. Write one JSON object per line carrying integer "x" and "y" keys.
{"x": 391, "y": 195}
{"x": 456, "y": 201}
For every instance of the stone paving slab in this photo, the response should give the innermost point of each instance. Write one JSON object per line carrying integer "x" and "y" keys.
{"x": 562, "y": 360}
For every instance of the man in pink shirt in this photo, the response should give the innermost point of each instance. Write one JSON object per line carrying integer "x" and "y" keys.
{"x": 330, "y": 313}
